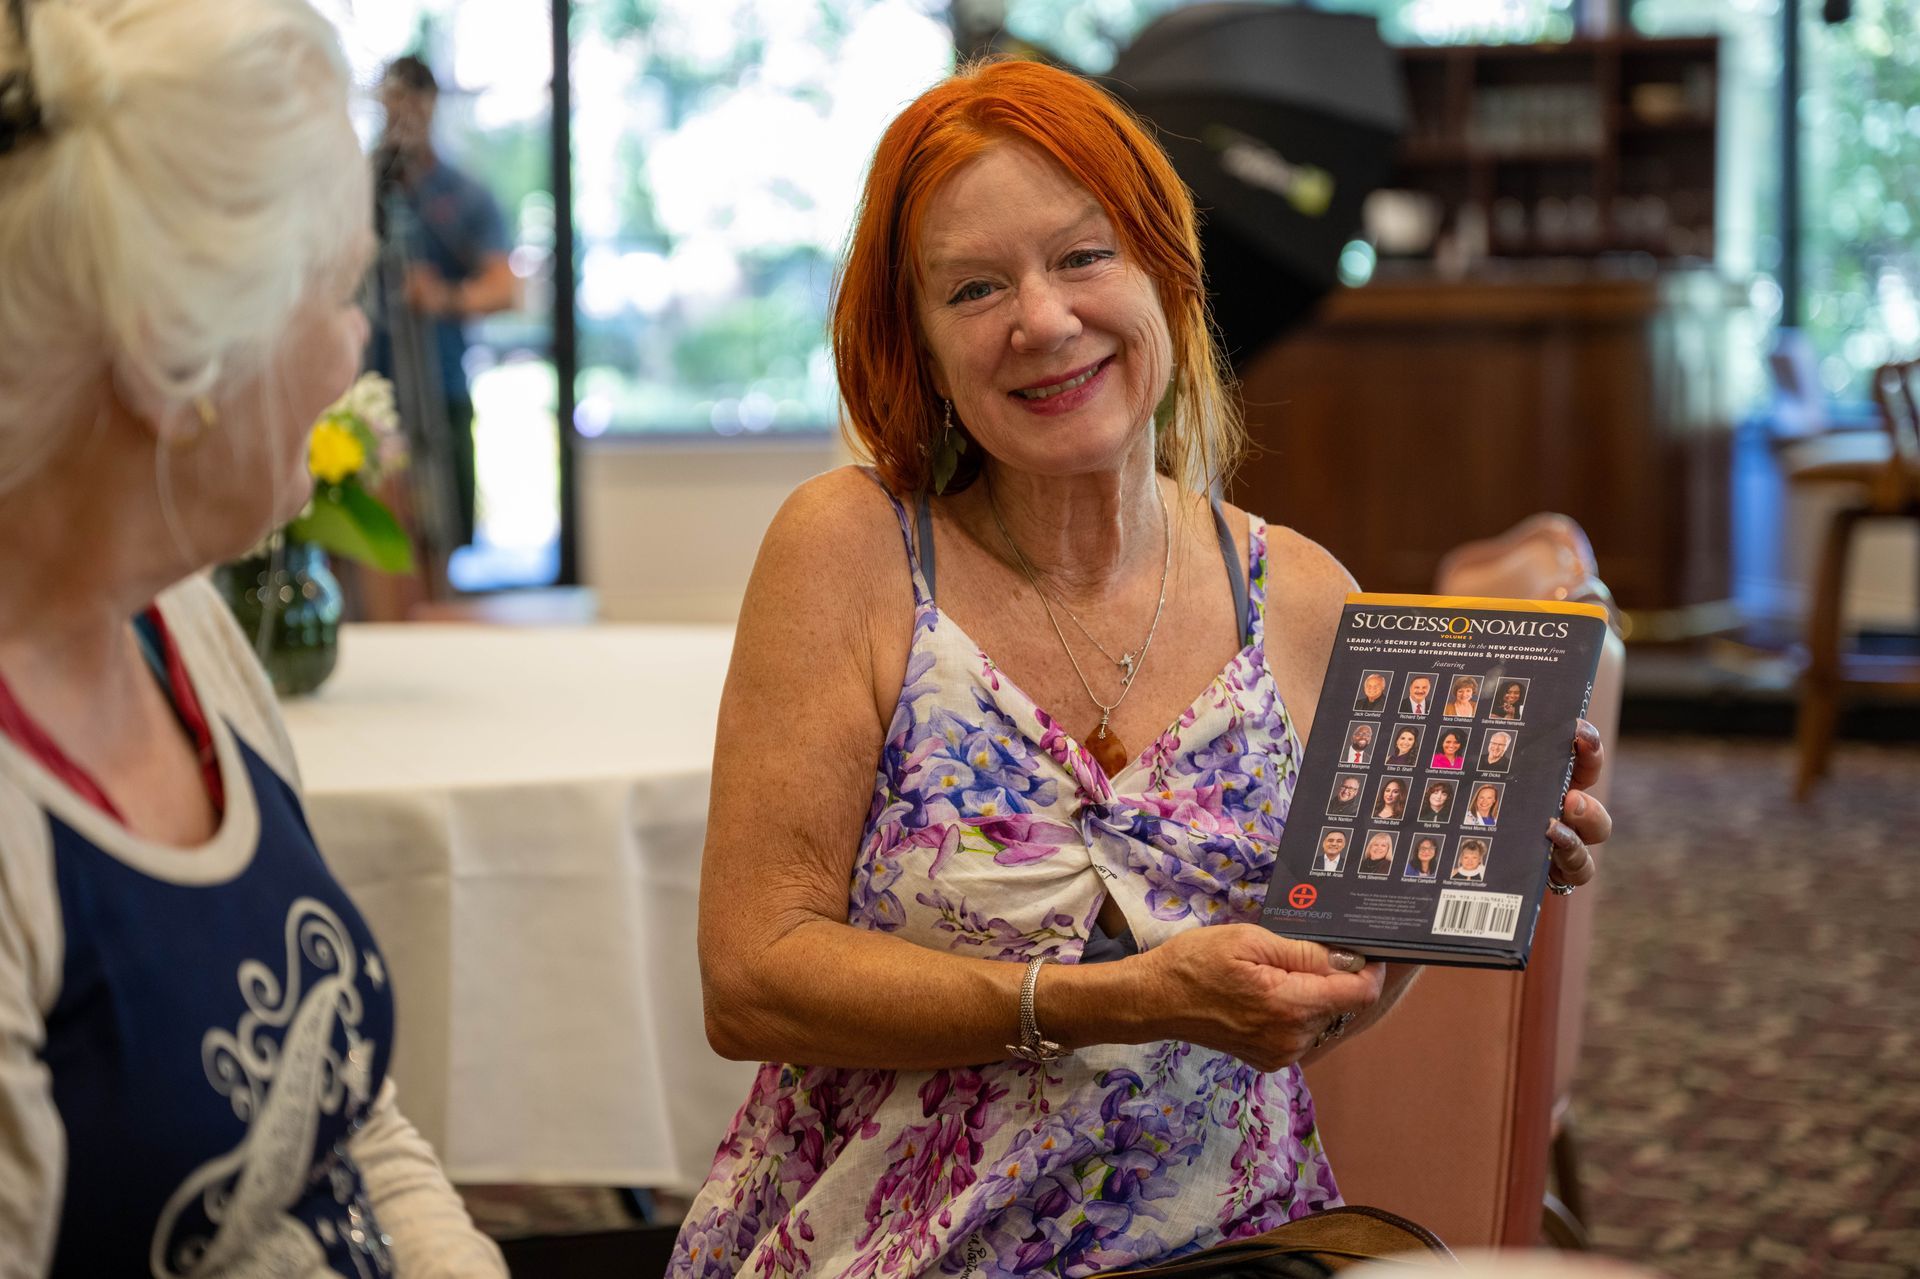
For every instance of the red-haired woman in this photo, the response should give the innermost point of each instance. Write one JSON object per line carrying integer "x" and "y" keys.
{"x": 1042, "y": 705}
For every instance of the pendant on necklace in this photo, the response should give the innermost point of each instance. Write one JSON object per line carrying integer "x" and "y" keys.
{"x": 1107, "y": 751}
{"x": 1126, "y": 666}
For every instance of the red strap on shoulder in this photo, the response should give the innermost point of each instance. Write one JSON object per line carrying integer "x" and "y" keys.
{"x": 25, "y": 732}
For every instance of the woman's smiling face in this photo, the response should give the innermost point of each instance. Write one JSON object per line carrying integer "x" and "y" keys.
{"x": 1050, "y": 342}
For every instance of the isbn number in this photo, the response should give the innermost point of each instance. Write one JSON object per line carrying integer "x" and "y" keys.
{"x": 1490, "y": 915}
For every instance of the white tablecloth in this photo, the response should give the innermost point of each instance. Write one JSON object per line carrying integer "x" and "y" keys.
{"x": 519, "y": 813}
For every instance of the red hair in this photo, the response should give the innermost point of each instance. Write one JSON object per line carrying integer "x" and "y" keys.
{"x": 893, "y": 414}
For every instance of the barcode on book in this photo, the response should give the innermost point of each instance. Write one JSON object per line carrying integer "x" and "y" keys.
{"x": 1491, "y": 915}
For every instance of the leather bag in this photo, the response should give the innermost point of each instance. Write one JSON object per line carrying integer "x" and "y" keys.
{"x": 1310, "y": 1248}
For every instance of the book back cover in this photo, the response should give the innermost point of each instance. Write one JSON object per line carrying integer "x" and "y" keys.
{"x": 1442, "y": 745}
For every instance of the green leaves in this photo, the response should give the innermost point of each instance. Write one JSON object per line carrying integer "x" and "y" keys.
{"x": 347, "y": 520}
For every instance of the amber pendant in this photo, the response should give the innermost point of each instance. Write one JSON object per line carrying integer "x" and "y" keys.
{"x": 1107, "y": 751}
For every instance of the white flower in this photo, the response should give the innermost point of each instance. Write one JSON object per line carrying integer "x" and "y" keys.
{"x": 370, "y": 399}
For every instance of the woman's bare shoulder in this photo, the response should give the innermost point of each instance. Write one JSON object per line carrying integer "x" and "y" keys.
{"x": 1306, "y": 589}
{"x": 838, "y": 529}
{"x": 1305, "y": 583}
{"x": 831, "y": 589}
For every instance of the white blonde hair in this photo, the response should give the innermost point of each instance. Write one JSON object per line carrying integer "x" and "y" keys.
{"x": 194, "y": 175}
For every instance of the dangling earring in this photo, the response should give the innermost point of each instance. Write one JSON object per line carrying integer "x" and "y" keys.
{"x": 1169, "y": 403}
{"x": 947, "y": 454}
{"x": 207, "y": 417}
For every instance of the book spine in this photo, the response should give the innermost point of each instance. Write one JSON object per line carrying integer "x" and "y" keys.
{"x": 1566, "y": 779}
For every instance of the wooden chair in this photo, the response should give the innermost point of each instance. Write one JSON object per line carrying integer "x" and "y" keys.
{"x": 1452, "y": 1109}
{"x": 1882, "y": 471}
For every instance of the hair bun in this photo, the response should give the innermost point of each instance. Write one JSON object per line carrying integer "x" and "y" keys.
{"x": 72, "y": 65}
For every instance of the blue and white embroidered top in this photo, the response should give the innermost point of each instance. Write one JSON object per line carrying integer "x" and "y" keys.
{"x": 194, "y": 1043}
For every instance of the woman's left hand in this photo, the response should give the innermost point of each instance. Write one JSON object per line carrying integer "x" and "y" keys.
{"x": 1584, "y": 820}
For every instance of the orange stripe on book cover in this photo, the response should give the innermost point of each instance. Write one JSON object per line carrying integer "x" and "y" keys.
{"x": 1479, "y": 602}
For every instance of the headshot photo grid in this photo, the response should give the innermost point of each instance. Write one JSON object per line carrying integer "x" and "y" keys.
{"x": 1440, "y": 782}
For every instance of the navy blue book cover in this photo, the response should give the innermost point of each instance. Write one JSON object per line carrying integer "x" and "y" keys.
{"x": 1441, "y": 747}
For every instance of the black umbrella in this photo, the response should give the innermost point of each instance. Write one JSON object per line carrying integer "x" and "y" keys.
{"x": 1282, "y": 120}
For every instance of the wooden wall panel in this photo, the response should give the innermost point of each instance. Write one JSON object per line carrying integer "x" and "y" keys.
{"x": 1409, "y": 417}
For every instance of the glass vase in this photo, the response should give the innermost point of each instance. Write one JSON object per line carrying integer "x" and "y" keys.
{"x": 289, "y": 605}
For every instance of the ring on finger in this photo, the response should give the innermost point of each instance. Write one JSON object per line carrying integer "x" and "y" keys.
{"x": 1334, "y": 1029}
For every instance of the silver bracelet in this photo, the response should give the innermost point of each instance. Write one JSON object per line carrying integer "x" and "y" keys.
{"x": 1034, "y": 1046}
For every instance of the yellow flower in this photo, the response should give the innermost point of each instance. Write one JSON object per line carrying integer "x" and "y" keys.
{"x": 334, "y": 452}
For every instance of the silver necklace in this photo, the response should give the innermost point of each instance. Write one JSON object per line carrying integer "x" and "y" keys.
{"x": 1131, "y": 662}
{"x": 1126, "y": 661}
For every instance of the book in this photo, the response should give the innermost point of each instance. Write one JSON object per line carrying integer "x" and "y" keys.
{"x": 1442, "y": 746}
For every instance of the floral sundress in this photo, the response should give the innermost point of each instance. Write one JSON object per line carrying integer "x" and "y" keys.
{"x": 995, "y": 835}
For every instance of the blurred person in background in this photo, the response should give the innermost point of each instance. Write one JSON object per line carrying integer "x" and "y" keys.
{"x": 196, "y": 1026}
{"x": 452, "y": 243}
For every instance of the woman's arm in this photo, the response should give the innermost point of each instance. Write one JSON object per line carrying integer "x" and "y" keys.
{"x": 823, "y": 639}
{"x": 432, "y": 1236}
{"x": 32, "y": 1139}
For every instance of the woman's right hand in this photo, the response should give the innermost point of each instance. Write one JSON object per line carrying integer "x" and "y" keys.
{"x": 1264, "y": 998}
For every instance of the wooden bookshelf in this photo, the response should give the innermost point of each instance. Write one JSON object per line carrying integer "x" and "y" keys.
{"x": 1566, "y": 150}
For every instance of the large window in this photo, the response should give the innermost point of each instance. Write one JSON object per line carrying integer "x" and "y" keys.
{"x": 719, "y": 147}
{"x": 1090, "y": 33}
{"x": 1860, "y": 206}
{"x": 1859, "y": 134}
{"x": 1747, "y": 247}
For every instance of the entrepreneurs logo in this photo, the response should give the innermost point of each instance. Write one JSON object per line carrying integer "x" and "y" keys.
{"x": 1460, "y": 626}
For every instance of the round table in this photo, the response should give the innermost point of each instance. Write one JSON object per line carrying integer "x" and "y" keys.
{"x": 520, "y": 813}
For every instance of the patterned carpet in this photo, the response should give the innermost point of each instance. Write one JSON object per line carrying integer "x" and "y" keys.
{"x": 1749, "y": 1097}
{"x": 1749, "y": 1102}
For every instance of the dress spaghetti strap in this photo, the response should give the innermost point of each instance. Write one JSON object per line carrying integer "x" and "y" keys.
{"x": 922, "y": 588}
